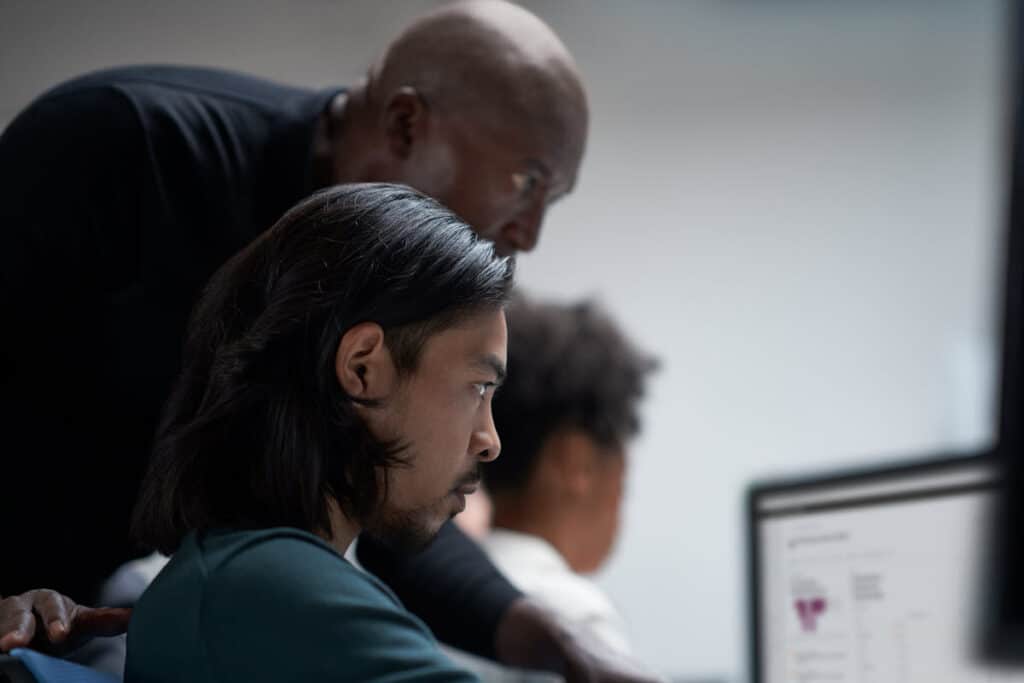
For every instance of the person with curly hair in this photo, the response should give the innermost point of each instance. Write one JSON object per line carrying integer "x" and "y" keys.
{"x": 566, "y": 413}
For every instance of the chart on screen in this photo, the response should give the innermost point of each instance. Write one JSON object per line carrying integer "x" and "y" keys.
{"x": 875, "y": 588}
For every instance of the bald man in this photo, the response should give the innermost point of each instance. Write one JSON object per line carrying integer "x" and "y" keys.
{"x": 478, "y": 105}
{"x": 123, "y": 190}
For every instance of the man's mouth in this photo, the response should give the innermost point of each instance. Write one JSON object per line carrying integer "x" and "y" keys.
{"x": 468, "y": 485}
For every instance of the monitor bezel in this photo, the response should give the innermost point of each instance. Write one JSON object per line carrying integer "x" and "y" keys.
{"x": 828, "y": 479}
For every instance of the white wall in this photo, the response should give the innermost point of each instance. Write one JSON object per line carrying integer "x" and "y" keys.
{"x": 794, "y": 204}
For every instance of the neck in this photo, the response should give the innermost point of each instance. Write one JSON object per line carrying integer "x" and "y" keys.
{"x": 531, "y": 515}
{"x": 343, "y": 530}
{"x": 337, "y": 149}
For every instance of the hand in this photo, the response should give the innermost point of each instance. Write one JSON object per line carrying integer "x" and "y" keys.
{"x": 48, "y": 621}
{"x": 532, "y": 637}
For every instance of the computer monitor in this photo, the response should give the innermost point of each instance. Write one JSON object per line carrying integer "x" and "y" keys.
{"x": 872, "y": 576}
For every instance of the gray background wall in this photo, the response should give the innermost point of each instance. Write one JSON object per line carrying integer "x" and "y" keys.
{"x": 795, "y": 204}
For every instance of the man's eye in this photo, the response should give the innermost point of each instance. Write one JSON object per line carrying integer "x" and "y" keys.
{"x": 525, "y": 182}
{"x": 482, "y": 387}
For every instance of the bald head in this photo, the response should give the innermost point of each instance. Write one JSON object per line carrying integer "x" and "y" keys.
{"x": 479, "y": 104}
{"x": 486, "y": 59}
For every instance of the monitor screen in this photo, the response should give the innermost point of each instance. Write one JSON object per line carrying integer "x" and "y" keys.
{"x": 873, "y": 578}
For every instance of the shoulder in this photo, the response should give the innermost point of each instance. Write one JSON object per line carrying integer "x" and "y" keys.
{"x": 139, "y": 91}
{"x": 582, "y": 603}
{"x": 283, "y": 562}
{"x": 537, "y": 569}
{"x": 287, "y": 592}
{"x": 76, "y": 113}
{"x": 155, "y": 80}
{"x": 571, "y": 594}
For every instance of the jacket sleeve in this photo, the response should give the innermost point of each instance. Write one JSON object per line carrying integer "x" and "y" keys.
{"x": 451, "y": 585}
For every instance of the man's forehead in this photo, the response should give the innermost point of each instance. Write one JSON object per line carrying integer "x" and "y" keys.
{"x": 491, "y": 363}
{"x": 558, "y": 152}
{"x": 472, "y": 340}
{"x": 554, "y": 150}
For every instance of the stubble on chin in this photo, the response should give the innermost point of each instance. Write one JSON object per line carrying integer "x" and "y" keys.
{"x": 407, "y": 532}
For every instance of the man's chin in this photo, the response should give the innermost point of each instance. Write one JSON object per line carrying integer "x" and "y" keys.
{"x": 406, "y": 537}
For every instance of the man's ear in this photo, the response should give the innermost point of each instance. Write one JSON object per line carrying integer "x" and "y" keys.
{"x": 363, "y": 364}
{"x": 405, "y": 121}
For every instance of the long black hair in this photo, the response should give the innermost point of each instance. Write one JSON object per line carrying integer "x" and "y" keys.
{"x": 258, "y": 431}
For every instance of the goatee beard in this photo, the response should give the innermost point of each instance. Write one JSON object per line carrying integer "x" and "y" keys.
{"x": 400, "y": 532}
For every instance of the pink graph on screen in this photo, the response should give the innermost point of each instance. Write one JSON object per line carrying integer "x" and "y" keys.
{"x": 809, "y": 610}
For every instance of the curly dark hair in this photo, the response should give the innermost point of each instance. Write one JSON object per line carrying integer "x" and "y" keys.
{"x": 258, "y": 431}
{"x": 569, "y": 367}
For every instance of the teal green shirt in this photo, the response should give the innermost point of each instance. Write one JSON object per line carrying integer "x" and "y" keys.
{"x": 275, "y": 605}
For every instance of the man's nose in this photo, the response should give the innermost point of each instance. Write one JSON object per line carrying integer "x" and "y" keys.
{"x": 522, "y": 232}
{"x": 486, "y": 442}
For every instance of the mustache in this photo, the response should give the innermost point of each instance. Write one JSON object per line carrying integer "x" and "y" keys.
{"x": 471, "y": 478}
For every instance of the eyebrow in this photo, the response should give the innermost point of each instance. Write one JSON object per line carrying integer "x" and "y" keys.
{"x": 540, "y": 167}
{"x": 492, "y": 363}
{"x": 549, "y": 176}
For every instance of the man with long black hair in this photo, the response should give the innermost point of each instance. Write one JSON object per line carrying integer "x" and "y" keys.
{"x": 337, "y": 379}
